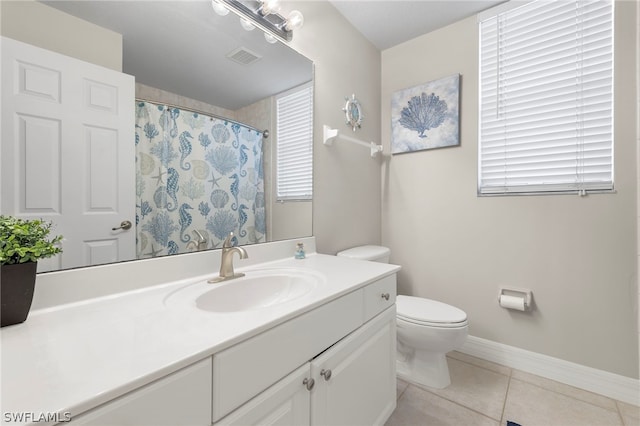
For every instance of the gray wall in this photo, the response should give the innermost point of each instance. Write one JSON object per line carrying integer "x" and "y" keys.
{"x": 578, "y": 255}
{"x": 34, "y": 23}
{"x": 346, "y": 199}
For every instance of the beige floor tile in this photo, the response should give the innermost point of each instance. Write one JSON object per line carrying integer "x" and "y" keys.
{"x": 418, "y": 407}
{"x": 630, "y": 413}
{"x": 531, "y": 405}
{"x": 401, "y": 386}
{"x": 480, "y": 362}
{"x": 476, "y": 388}
{"x": 583, "y": 395}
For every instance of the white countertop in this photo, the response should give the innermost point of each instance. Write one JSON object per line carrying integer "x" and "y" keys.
{"x": 71, "y": 358}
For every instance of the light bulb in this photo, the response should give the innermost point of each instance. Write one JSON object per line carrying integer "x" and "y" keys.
{"x": 269, "y": 6}
{"x": 219, "y": 8}
{"x": 246, "y": 24}
{"x": 271, "y": 39}
{"x": 294, "y": 21}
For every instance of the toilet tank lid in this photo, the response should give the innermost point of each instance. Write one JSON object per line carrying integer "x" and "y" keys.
{"x": 369, "y": 252}
{"x": 427, "y": 310}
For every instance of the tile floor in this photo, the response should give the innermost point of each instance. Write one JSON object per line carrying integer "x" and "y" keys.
{"x": 483, "y": 393}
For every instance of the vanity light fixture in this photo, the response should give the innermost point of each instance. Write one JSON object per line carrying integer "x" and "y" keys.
{"x": 269, "y": 6}
{"x": 264, "y": 15}
{"x": 295, "y": 20}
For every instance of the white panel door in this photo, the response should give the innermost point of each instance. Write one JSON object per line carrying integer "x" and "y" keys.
{"x": 356, "y": 378}
{"x": 68, "y": 152}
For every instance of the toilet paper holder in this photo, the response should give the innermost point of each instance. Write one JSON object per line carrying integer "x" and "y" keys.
{"x": 515, "y": 298}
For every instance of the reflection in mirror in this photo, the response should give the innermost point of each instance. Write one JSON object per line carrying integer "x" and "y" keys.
{"x": 205, "y": 91}
{"x": 198, "y": 178}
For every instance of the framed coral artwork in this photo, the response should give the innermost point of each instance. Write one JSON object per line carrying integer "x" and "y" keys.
{"x": 426, "y": 116}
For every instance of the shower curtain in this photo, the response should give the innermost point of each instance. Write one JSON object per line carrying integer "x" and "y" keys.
{"x": 197, "y": 179}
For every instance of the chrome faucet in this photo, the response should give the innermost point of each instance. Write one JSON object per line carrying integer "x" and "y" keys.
{"x": 226, "y": 263}
{"x": 200, "y": 243}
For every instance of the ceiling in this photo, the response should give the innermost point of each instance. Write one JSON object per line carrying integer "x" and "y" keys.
{"x": 387, "y": 23}
{"x": 183, "y": 47}
{"x": 178, "y": 45}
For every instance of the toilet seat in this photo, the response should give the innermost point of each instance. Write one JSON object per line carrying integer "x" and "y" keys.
{"x": 429, "y": 313}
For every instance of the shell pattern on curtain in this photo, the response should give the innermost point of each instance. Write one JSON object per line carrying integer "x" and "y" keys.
{"x": 195, "y": 174}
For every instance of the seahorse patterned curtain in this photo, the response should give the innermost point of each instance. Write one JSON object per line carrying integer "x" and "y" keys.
{"x": 195, "y": 175}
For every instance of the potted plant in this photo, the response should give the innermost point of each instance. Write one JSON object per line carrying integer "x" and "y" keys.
{"x": 22, "y": 243}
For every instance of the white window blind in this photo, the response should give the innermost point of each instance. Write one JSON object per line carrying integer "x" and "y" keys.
{"x": 294, "y": 158}
{"x": 546, "y": 98}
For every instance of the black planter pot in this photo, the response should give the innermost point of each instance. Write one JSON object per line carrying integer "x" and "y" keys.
{"x": 16, "y": 291}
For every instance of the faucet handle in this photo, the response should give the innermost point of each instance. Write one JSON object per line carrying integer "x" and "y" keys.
{"x": 201, "y": 243}
{"x": 227, "y": 242}
{"x": 199, "y": 236}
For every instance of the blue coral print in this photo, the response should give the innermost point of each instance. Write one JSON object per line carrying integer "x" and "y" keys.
{"x": 426, "y": 116}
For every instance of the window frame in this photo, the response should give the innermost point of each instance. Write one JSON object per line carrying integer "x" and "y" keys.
{"x": 576, "y": 185}
{"x": 309, "y": 145}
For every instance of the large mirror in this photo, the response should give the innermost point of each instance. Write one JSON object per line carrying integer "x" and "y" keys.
{"x": 206, "y": 99}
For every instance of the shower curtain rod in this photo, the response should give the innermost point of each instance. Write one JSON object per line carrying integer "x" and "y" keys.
{"x": 265, "y": 133}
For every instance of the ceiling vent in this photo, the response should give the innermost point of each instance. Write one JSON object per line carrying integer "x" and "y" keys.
{"x": 243, "y": 56}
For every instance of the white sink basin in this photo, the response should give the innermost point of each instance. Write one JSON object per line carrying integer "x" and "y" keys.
{"x": 256, "y": 290}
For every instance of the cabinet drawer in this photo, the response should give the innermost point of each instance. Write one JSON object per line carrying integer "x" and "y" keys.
{"x": 378, "y": 296}
{"x": 182, "y": 398}
{"x": 248, "y": 368}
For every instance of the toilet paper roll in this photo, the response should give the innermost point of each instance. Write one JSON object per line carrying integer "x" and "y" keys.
{"x": 512, "y": 302}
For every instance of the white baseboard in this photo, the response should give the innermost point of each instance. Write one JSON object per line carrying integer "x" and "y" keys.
{"x": 612, "y": 385}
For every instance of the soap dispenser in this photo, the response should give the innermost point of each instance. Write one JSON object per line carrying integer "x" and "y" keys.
{"x": 300, "y": 251}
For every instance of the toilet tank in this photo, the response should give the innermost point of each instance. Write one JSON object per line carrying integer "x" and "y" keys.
{"x": 370, "y": 252}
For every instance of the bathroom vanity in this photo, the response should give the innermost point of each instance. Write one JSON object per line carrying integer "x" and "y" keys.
{"x": 170, "y": 354}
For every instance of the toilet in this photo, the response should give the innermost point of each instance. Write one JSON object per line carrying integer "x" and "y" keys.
{"x": 426, "y": 330}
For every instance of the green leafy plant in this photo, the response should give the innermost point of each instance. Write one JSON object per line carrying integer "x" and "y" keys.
{"x": 23, "y": 240}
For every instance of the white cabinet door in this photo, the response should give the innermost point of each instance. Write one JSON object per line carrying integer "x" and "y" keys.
{"x": 262, "y": 360}
{"x": 182, "y": 398}
{"x": 355, "y": 379}
{"x": 285, "y": 403}
{"x": 68, "y": 152}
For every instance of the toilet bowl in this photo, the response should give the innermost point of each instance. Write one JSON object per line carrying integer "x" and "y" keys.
{"x": 373, "y": 253}
{"x": 426, "y": 330}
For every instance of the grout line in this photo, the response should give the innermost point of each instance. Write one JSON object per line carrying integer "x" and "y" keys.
{"x": 510, "y": 375}
{"x": 608, "y": 384}
{"x": 452, "y": 401}
{"x": 622, "y": 422}
{"x": 506, "y": 396}
{"x": 491, "y": 371}
{"x": 484, "y": 368}
{"x": 403, "y": 390}
{"x": 573, "y": 397}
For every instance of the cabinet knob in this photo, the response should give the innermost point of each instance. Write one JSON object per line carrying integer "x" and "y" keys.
{"x": 385, "y": 296}
{"x": 326, "y": 374}
{"x": 309, "y": 383}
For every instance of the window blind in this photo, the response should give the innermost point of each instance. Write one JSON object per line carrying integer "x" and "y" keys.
{"x": 294, "y": 157}
{"x": 546, "y": 98}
